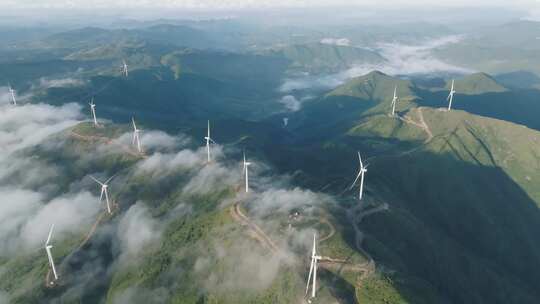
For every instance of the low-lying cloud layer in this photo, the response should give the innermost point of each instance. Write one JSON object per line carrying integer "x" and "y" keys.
{"x": 400, "y": 60}
{"x": 47, "y": 83}
{"x": 32, "y": 204}
{"x": 336, "y": 41}
{"x": 136, "y": 231}
{"x": 27, "y": 183}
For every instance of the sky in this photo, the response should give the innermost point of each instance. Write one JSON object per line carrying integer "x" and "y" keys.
{"x": 250, "y": 4}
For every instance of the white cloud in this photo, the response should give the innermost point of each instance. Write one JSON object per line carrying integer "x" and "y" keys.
{"x": 60, "y": 82}
{"x": 336, "y": 41}
{"x": 27, "y": 209}
{"x": 400, "y": 59}
{"x": 213, "y": 177}
{"x": 275, "y": 200}
{"x": 27, "y": 125}
{"x": 290, "y": 102}
{"x": 159, "y": 164}
{"x": 69, "y": 214}
{"x": 411, "y": 59}
{"x": 247, "y": 4}
{"x": 137, "y": 230}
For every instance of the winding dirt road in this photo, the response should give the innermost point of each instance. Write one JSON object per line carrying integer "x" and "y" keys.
{"x": 421, "y": 124}
{"x": 257, "y": 232}
{"x": 49, "y": 283}
{"x": 326, "y": 262}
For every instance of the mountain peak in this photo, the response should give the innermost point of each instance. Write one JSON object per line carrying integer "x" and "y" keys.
{"x": 374, "y": 86}
{"x": 477, "y": 83}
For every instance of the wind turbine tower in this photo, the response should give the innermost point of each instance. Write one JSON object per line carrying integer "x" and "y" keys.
{"x": 12, "y": 92}
{"x": 48, "y": 248}
{"x": 394, "y": 101}
{"x": 313, "y": 269}
{"x": 361, "y": 171}
{"x": 93, "y": 110}
{"x": 136, "y": 139}
{"x": 450, "y": 97}
{"x": 104, "y": 191}
{"x": 245, "y": 169}
{"x": 208, "y": 141}
{"x": 124, "y": 68}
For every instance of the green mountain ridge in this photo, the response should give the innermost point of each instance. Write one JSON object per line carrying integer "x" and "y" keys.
{"x": 477, "y": 83}
{"x": 319, "y": 57}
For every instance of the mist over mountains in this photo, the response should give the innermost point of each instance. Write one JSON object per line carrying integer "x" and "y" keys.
{"x": 449, "y": 211}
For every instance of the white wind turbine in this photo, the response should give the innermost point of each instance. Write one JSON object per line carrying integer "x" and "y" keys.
{"x": 48, "y": 248}
{"x": 451, "y": 96}
{"x": 361, "y": 172}
{"x": 104, "y": 191}
{"x": 136, "y": 139}
{"x": 12, "y": 92}
{"x": 394, "y": 101}
{"x": 124, "y": 68}
{"x": 93, "y": 109}
{"x": 208, "y": 141}
{"x": 245, "y": 169}
{"x": 313, "y": 269}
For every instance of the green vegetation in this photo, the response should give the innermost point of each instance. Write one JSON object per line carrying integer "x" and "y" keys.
{"x": 318, "y": 57}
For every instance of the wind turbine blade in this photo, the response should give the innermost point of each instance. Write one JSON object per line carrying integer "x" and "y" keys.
{"x": 134, "y": 125}
{"x": 110, "y": 178}
{"x": 355, "y": 180}
{"x": 50, "y": 235}
{"x": 314, "y": 287}
{"x": 208, "y": 129}
{"x": 314, "y": 252}
{"x": 360, "y": 160}
{"x": 309, "y": 276}
{"x": 97, "y": 181}
{"x": 101, "y": 195}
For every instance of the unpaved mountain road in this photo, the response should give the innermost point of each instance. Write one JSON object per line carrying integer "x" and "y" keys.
{"x": 327, "y": 262}
{"x": 49, "y": 283}
{"x": 421, "y": 124}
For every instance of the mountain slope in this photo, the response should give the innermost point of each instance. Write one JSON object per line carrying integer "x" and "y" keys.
{"x": 471, "y": 168}
{"x": 478, "y": 83}
{"x": 461, "y": 190}
{"x": 319, "y": 57}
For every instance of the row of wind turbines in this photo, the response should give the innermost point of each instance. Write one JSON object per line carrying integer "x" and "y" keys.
{"x": 104, "y": 195}
{"x": 450, "y": 98}
{"x": 362, "y": 170}
{"x": 315, "y": 258}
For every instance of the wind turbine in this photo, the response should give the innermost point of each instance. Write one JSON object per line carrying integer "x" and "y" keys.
{"x": 49, "y": 255}
{"x": 93, "y": 109}
{"x": 394, "y": 101}
{"x": 136, "y": 138}
{"x": 313, "y": 269}
{"x": 451, "y": 96}
{"x": 361, "y": 172}
{"x": 208, "y": 141}
{"x": 12, "y": 92}
{"x": 104, "y": 191}
{"x": 124, "y": 68}
{"x": 245, "y": 168}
